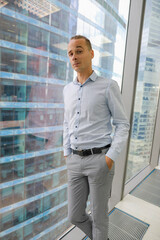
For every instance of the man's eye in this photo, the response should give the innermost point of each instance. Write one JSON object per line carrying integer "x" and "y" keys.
{"x": 79, "y": 51}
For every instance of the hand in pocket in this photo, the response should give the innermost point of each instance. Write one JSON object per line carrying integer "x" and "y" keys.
{"x": 109, "y": 162}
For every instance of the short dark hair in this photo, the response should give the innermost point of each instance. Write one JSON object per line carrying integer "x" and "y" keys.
{"x": 88, "y": 43}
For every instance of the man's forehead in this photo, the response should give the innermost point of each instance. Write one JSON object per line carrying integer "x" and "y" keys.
{"x": 76, "y": 43}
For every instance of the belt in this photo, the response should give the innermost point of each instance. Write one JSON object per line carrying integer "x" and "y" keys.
{"x": 91, "y": 151}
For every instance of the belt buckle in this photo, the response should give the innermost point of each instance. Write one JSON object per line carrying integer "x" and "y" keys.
{"x": 85, "y": 153}
{"x": 81, "y": 153}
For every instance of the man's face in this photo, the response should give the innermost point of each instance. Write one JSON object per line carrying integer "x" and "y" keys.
{"x": 80, "y": 55}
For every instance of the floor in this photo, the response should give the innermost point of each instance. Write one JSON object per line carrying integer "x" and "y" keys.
{"x": 144, "y": 211}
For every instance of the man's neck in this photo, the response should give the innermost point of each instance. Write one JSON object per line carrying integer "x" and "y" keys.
{"x": 82, "y": 77}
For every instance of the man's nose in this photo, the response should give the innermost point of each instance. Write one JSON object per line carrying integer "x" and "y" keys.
{"x": 74, "y": 56}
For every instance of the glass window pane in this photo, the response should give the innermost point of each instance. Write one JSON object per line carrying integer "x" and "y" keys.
{"x": 12, "y": 145}
{"x": 19, "y": 193}
{"x": 54, "y": 139}
{"x": 7, "y": 60}
{"x": 39, "y": 164}
{"x": 58, "y": 44}
{"x": 18, "y": 169}
{"x": 14, "y": 91}
{"x": 13, "y": 30}
{"x": 7, "y": 197}
{"x": 18, "y": 216}
{"x": 35, "y": 67}
{"x": 57, "y": 69}
{"x": 12, "y": 118}
{"x": 20, "y": 61}
{"x": 39, "y": 186}
{"x": 36, "y": 118}
{"x": 6, "y": 170}
{"x": 37, "y": 38}
{"x": 7, "y": 28}
{"x": 7, "y": 220}
{"x": 30, "y": 189}
{"x": 36, "y": 92}
{"x": 147, "y": 95}
{"x": 46, "y": 203}
{"x": 34, "y": 143}
{"x": 28, "y": 231}
{"x": 29, "y": 166}
{"x": 54, "y": 94}
{"x": 47, "y": 183}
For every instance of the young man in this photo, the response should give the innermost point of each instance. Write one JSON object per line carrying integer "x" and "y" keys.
{"x": 90, "y": 103}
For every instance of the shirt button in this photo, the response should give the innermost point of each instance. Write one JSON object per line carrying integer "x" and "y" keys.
{"x": 75, "y": 137}
{"x": 76, "y": 147}
{"x": 75, "y": 126}
{"x": 77, "y": 112}
{"x": 79, "y": 99}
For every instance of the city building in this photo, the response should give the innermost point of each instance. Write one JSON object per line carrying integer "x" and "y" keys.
{"x": 34, "y": 68}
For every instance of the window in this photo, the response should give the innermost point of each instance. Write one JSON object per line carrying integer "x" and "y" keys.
{"x": 146, "y": 96}
{"x": 35, "y": 67}
{"x": 14, "y": 91}
{"x": 12, "y": 30}
{"x": 57, "y": 69}
{"x": 37, "y": 38}
{"x": 7, "y": 172}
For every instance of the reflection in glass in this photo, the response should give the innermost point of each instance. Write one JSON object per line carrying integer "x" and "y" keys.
{"x": 7, "y": 57}
{"x": 19, "y": 192}
{"x": 147, "y": 94}
{"x": 13, "y": 30}
{"x": 58, "y": 44}
{"x": 6, "y": 220}
{"x": 18, "y": 216}
{"x": 7, "y": 197}
{"x": 12, "y": 91}
{"x": 37, "y": 38}
{"x": 37, "y": 65}
{"x": 57, "y": 69}
{"x": 35, "y": 68}
{"x": 60, "y": 20}
{"x": 19, "y": 169}
{"x": 7, "y": 173}
{"x": 12, "y": 145}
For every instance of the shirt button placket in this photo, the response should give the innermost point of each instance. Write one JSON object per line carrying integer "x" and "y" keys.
{"x": 77, "y": 115}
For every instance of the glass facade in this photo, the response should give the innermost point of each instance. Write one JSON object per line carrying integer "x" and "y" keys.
{"x": 34, "y": 68}
{"x": 147, "y": 92}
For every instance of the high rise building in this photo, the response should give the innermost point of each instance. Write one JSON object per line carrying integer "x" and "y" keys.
{"x": 34, "y": 69}
{"x": 147, "y": 92}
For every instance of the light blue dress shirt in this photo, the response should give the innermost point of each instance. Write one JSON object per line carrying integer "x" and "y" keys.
{"x": 90, "y": 110}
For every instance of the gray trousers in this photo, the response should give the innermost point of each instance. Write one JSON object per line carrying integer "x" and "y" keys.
{"x": 89, "y": 175}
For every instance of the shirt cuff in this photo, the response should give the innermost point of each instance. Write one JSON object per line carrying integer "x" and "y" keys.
{"x": 112, "y": 154}
{"x": 67, "y": 151}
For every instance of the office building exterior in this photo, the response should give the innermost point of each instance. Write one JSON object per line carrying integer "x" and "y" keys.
{"x": 34, "y": 69}
{"x": 146, "y": 94}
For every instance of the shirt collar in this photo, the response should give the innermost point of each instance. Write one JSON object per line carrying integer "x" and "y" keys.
{"x": 92, "y": 77}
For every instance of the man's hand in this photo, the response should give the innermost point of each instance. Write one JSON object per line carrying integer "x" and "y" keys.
{"x": 109, "y": 162}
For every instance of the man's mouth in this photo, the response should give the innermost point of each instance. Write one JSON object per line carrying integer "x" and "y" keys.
{"x": 75, "y": 64}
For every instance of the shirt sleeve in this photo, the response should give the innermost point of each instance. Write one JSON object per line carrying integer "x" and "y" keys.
{"x": 119, "y": 120}
{"x": 66, "y": 137}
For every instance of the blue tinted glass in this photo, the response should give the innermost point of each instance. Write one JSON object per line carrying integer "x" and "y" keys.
{"x": 34, "y": 70}
{"x": 147, "y": 94}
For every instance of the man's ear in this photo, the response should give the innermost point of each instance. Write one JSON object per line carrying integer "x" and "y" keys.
{"x": 92, "y": 52}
